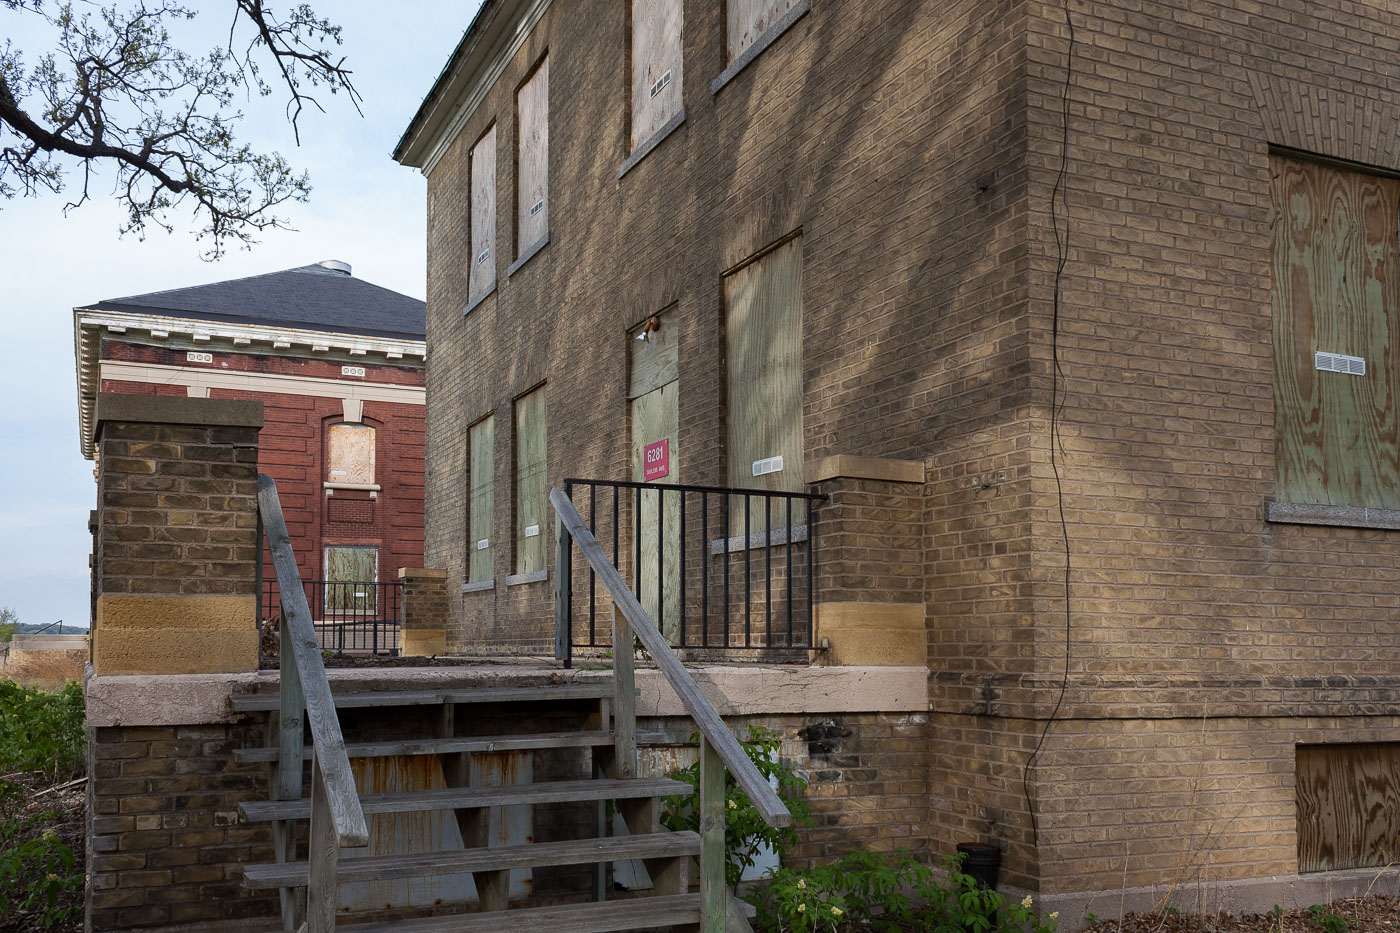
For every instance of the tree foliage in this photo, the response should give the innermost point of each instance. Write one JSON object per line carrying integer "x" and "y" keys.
{"x": 118, "y": 98}
{"x": 9, "y": 623}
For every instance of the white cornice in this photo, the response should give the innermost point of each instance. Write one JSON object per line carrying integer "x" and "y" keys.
{"x": 469, "y": 84}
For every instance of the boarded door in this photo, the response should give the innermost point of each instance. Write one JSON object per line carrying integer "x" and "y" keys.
{"x": 1348, "y": 805}
{"x": 482, "y": 500}
{"x": 482, "y": 262}
{"x": 351, "y": 573}
{"x": 749, "y": 19}
{"x": 532, "y": 118}
{"x": 531, "y": 494}
{"x": 1336, "y": 291}
{"x": 654, "y": 409}
{"x": 656, "y": 65}
{"x": 763, "y": 343}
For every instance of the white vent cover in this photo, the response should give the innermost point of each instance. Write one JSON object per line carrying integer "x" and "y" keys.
{"x": 352, "y": 370}
{"x": 483, "y": 256}
{"x": 1339, "y": 363}
{"x": 537, "y": 207}
{"x": 768, "y": 465}
{"x": 483, "y": 543}
{"x": 531, "y": 530}
{"x": 661, "y": 83}
{"x": 194, "y": 356}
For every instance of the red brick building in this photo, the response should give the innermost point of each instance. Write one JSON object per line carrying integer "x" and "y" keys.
{"x": 337, "y": 363}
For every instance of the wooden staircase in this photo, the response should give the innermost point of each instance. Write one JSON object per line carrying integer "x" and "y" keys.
{"x": 606, "y": 739}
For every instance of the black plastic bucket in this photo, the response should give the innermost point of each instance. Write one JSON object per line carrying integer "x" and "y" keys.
{"x": 981, "y": 860}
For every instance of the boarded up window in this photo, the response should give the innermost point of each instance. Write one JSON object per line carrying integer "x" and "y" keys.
{"x": 350, "y": 454}
{"x": 763, "y": 343}
{"x": 749, "y": 19}
{"x": 1336, "y": 292}
{"x": 1348, "y": 805}
{"x": 481, "y": 273}
{"x": 348, "y": 569}
{"x": 532, "y": 186}
{"x": 656, "y": 65}
{"x": 654, "y": 403}
{"x": 531, "y": 477}
{"x": 482, "y": 500}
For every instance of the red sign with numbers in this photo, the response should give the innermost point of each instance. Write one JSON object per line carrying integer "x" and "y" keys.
{"x": 656, "y": 460}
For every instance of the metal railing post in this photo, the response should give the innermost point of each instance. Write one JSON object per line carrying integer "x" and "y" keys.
{"x": 563, "y": 593}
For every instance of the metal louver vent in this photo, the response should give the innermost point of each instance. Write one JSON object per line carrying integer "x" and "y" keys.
{"x": 537, "y": 207}
{"x": 483, "y": 256}
{"x": 1339, "y": 363}
{"x": 661, "y": 83}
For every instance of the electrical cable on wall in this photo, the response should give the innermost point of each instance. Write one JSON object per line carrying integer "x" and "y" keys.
{"x": 1058, "y": 196}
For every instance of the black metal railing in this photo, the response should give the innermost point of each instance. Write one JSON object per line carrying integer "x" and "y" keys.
{"x": 355, "y": 617}
{"x": 718, "y": 568}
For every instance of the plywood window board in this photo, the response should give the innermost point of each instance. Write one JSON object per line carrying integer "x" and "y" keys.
{"x": 1348, "y": 805}
{"x": 531, "y": 482}
{"x": 481, "y": 264}
{"x": 532, "y": 158}
{"x": 763, "y": 346}
{"x": 350, "y": 575}
{"x": 657, "y": 65}
{"x": 749, "y": 19}
{"x": 1336, "y": 292}
{"x": 481, "y": 501}
{"x": 350, "y": 454}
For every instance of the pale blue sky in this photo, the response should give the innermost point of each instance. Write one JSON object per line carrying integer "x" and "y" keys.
{"x": 365, "y": 209}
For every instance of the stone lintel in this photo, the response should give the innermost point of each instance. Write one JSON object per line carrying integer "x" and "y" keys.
{"x": 422, "y": 642}
{"x": 422, "y": 573}
{"x": 845, "y": 466}
{"x": 169, "y": 409}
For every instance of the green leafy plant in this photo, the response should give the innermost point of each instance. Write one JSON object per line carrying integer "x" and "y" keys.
{"x": 1090, "y": 918}
{"x": 1322, "y": 917}
{"x": 41, "y": 732}
{"x": 745, "y": 832}
{"x": 9, "y": 623}
{"x": 39, "y": 874}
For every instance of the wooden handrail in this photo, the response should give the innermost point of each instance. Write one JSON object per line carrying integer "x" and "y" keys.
{"x": 711, "y": 726}
{"x": 332, "y": 767}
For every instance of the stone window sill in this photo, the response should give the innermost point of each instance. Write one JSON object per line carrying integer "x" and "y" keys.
{"x": 646, "y": 147}
{"x": 529, "y": 254}
{"x": 769, "y": 36}
{"x": 1343, "y": 516}
{"x": 773, "y": 538}
{"x": 477, "y": 586}
{"x": 372, "y": 488}
{"x": 534, "y": 576}
{"x": 471, "y": 305}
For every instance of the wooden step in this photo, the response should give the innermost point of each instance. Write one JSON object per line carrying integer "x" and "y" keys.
{"x": 570, "y": 852}
{"x": 484, "y": 743}
{"x": 641, "y": 913}
{"x": 264, "y": 702}
{"x": 457, "y": 798}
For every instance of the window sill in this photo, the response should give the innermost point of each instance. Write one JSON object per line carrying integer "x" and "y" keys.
{"x": 534, "y": 576}
{"x": 1342, "y": 516}
{"x": 372, "y": 488}
{"x": 757, "y": 540}
{"x": 471, "y": 305}
{"x": 478, "y": 586}
{"x": 642, "y": 151}
{"x": 762, "y": 42}
{"x": 529, "y": 254}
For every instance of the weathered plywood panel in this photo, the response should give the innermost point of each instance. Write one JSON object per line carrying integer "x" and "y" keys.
{"x": 655, "y": 418}
{"x": 531, "y": 482}
{"x": 749, "y": 19}
{"x": 1336, "y": 289}
{"x": 654, "y": 361}
{"x": 657, "y": 63}
{"x": 1348, "y": 805}
{"x": 347, "y": 568}
{"x": 532, "y": 118}
{"x": 763, "y": 343}
{"x": 481, "y": 500}
{"x": 350, "y": 453}
{"x": 481, "y": 264}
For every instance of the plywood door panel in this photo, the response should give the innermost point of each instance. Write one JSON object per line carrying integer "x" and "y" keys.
{"x": 749, "y": 19}
{"x": 531, "y": 492}
{"x": 482, "y": 261}
{"x": 1336, "y": 289}
{"x": 347, "y": 568}
{"x": 655, "y": 418}
{"x": 482, "y": 501}
{"x": 763, "y": 345}
{"x": 1348, "y": 805}
{"x": 350, "y": 454}
{"x": 532, "y": 117}
{"x": 654, "y": 361}
{"x": 657, "y": 65}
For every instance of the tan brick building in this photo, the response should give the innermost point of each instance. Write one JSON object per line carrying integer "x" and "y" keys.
{"x": 873, "y": 183}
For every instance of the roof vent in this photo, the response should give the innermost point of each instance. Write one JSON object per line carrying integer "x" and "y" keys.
{"x": 335, "y": 265}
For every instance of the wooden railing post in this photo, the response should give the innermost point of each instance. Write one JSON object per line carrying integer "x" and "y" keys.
{"x": 323, "y": 851}
{"x": 288, "y": 772}
{"x": 714, "y": 893}
{"x": 563, "y": 593}
{"x": 624, "y": 706}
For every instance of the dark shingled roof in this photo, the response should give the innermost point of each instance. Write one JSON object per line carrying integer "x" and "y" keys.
{"x": 311, "y": 297}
